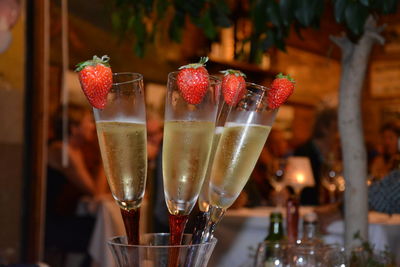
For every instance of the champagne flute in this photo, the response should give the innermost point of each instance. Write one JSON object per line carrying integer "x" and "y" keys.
{"x": 121, "y": 130}
{"x": 188, "y": 137}
{"x": 246, "y": 129}
{"x": 204, "y": 199}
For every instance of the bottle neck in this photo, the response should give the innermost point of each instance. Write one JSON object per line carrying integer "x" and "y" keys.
{"x": 309, "y": 230}
{"x": 276, "y": 227}
{"x": 275, "y": 230}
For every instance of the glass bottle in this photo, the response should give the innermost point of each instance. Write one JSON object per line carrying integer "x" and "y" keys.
{"x": 310, "y": 230}
{"x": 275, "y": 232}
{"x": 273, "y": 250}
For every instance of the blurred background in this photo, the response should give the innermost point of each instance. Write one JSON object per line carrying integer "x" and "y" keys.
{"x": 41, "y": 41}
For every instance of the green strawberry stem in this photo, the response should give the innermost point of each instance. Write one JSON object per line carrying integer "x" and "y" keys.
{"x": 237, "y": 73}
{"x": 93, "y": 62}
{"x": 201, "y": 63}
{"x": 282, "y": 76}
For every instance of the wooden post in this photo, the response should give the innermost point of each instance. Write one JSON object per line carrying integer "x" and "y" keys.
{"x": 36, "y": 127}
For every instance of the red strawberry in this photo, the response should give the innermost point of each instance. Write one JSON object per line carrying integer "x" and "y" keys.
{"x": 233, "y": 86}
{"x": 192, "y": 81}
{"x": 95, "y": 77}
{"x": 281, "y": 88}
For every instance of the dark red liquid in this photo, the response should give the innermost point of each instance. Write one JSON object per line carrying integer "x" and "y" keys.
{"x": 292, "y": 219}
{"x": 177, "y": 225}
{"x": 131, "y": 221}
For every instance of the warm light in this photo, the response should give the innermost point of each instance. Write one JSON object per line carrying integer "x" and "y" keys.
{"x": 298, "y": 173}
{"x": 300, "y": 178}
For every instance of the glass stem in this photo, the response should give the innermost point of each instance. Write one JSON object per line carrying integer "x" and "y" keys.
{"x": 131, "y": 220}
{"x": 200, "y": 226}
{"x": 216, "y": 214}
{"x": 177, "y": 225}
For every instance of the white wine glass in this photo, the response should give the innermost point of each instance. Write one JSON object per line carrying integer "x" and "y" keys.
{"x": 246, "y": 129}
{"x": 121, "y": 130}
{"x": 188, "y": 137}
{"x": 204, "y": 196}
{"x": 275, "y": 175}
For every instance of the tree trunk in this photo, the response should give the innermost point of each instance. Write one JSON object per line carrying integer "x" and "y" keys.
{"x": 354, "y": 65}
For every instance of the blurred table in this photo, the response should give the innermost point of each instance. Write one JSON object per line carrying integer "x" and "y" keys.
{"x": 241, "y": 230}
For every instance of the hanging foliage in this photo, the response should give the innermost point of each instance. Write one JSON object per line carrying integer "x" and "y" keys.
{"x": 271, "y": 20}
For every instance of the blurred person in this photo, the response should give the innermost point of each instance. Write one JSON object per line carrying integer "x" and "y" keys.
{"x": 383, "y": 196}
{"x": 159, "y": 214}
{"x": 388, "y": 157}
{"x": 321, "y": 149}
{"x": 154, "y": 136}
{"x": 66, "y": 185}
{"x": 259, "y": 190}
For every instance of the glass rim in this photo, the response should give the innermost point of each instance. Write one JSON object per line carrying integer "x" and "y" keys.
{"x": 258, "y": 86}
{"x": 111, "y": 242}
{"x": 135, "y": 77}
{"x": 172, "y": 76}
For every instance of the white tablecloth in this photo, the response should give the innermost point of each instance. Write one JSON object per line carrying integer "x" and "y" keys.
{"x": 241, "y": 230}
{"x": 108, "y": 224}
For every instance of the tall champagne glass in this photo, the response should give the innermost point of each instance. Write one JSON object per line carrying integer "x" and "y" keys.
{"x": 121, "y": 130}
{"x": 204, "y": 196}
{"x": 246, "y": 129}
{"x": 188, "y": 136}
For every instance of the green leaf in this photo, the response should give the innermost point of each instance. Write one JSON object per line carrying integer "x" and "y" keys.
{"x": 304, "y": 12}
{"x": 139, "y": 28}
{"x": 269, "y": 40}
{"x": 148, "y": 4}
{"x": 280, "y": 43}
{"x": 175, "y": 30}
{"x": 356, "y": 15}
{"x": 139, "y": 49}
{"x": 219, "y": 14}
{"x": 272, "y": 12}
{"x": 297, "y": 28}
{"x": 116, "y": 20}
{"x": 207, "y": 25}
{"x": 194, "y": 7}
{"x": 162, "y": 7}
{"x": 258, "y": 16}
{"x": 365, "y": 2}
{"x": 286, "y": 10}
{"x": 389, "y": 6}
{"x": 130, "y": 22}
{"x": 319, "y": 10}
{"x": 340, "y": 7}
{"x": 376, "y": 4}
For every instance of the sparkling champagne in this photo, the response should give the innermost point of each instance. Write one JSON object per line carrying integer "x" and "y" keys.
{"x": 204, "y": 201}
{"x": 123, "y": 148}
{"x": 186, "y": 152}
{"x": 235, "y": 158}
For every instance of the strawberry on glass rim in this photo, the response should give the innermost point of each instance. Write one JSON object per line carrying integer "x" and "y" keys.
{"x": 233, "y": 86}
{"x": 95, "y": 76}
{"x": 281, "y": 88}
{"x": 193, "y": 81}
